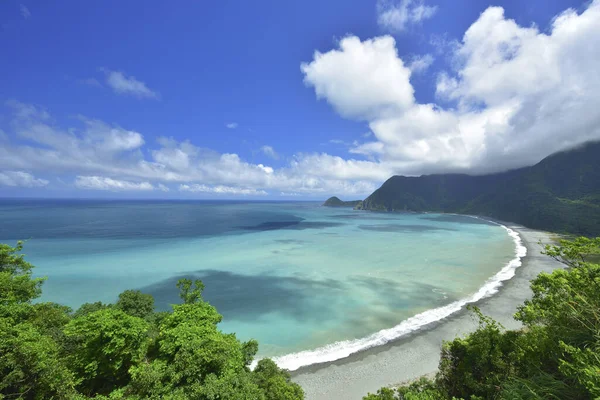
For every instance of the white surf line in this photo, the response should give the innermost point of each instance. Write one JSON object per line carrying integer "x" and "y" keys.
{"x": 345, "y": 348}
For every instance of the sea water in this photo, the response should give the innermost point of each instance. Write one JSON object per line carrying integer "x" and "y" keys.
{"x": 310, "y": 283}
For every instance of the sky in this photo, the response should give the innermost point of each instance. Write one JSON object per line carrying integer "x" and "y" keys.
{"x": 293, "y": 100}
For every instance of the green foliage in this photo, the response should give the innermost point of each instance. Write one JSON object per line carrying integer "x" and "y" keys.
{"x": 136, "y": 303}
{"x": 479, "y": 363}
{"x": 190, "y": 292}
{"x": 382, "y": 394}
{"x": 559, "y": 194}
{"x": 88, "y": 308}
{"x": 555, "y": 356}
{"x": 422, "y": 389}
{"x": 106, "y": 344}
{"x": 275, "y": 382}
{"x": 336, "y": 202}
{"x": 30, "y": 366}
{"x": 249, "y": 350}
{"x": 124, "y": 350}
{"x": 16, "y": 284}
{"x": 574, "y": 252}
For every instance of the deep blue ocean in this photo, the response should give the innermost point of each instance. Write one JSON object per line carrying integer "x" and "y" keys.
{"x": 302, "y": 279}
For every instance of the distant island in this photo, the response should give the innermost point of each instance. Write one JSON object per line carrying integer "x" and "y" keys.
{"x": 336, "y": 202}
{"x": 561, "y": 193}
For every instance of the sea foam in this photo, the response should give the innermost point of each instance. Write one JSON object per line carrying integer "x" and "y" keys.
{"x": 342, "y": 349}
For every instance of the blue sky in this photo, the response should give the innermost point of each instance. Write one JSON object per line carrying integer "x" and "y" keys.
{"x": 228, "y": 99}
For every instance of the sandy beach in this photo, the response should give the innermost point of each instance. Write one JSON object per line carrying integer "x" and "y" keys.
{"x": 418, "y": 354}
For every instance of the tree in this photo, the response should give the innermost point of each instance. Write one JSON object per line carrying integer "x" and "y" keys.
{"x": 123, "y": 350}
{"x": 16, "y": 284}
{"x": 276, "y": 382}
{"x": 88, "y": 308}
{"x": 30, "y": 364}
{"x": 422, "y": 389}
{"x": 106, "y": 344}
{"x": 555, "y": 356}
{"x": 136, "y": 303}
{"x": 190, "y": 292}
{"x": 478, "y": 364}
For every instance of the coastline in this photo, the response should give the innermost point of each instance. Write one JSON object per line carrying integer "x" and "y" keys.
{"x": 417, "y": 353}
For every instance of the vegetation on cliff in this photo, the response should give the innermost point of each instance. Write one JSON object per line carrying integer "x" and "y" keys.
{"x": 560, "y": 194}
{"x": 555, "y": 356}
{"x": 336, "y": 202}
{"x": 124, "y": 350}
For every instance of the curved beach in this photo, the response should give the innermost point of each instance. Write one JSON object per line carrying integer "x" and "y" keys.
{"x": 418, "y": 353}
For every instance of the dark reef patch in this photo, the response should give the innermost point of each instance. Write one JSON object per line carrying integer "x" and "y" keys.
{"x": 455, "y": 218}
{"x": 403, "y": 228}
{"x": 293, "y": 225}
{"x": 247, "y": 297}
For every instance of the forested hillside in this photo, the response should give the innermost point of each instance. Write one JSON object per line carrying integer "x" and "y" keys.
{"x": 561, "y": 193}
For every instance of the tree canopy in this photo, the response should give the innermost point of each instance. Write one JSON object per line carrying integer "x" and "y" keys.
{"x": 555, "y": 356}
{"x": 125, "y": 350}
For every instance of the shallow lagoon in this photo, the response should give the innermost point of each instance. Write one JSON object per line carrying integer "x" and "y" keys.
{"x": 294, "y": 276}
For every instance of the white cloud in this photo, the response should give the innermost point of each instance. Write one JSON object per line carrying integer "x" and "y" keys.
{"x": 162, "y": 188}
{"x": 333, "y": 167}
{"x": 105, "y": 183}
{"x": 24, "y": 111}
{"x": 514, "y": 96}
{"x": 220, "y": 189}
{"x": 231, "y": 125}
{"x": 368, "y": 149}
{"x": 98, "y": 150}
{"x": 21, "y": 179}
{"x": 24, "y": 11}
{"x": 361, "y": 80}
{"x": 268, "y": 170}
{"x": 337, "y": 141}
{"x": 420, "y": 63}
{"x": 520, "y": 95}
{"x": 396, "y": 16}
{"x": 270, "y": 152}
{"x": 128, "y": 85}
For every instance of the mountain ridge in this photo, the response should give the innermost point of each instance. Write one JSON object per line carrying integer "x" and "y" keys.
{"x": 561, "y": 193}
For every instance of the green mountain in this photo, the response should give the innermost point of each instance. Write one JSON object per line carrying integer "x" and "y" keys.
{"x": 561, "y": 193}
{"x": 336, "y": 202}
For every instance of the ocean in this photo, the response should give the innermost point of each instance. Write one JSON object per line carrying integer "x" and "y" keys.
{"x": 310, "y": 283}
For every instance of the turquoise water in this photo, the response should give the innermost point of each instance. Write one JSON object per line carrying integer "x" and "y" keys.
{"x": 294, "y": 276}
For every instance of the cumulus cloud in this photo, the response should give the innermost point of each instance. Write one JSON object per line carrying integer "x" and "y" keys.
{"x": 361, "y": 80}
{"x": 114, "y": 185}
{"x": 516, "y": 95}
{"x": 21, "y": 179}
{"x": 231, "y": 125}
{"x": 128, "y": 85}
{"x": 270, "y": 152}
{"x": 396, "y": 16}
{"x": 513, "y": 95}
{"x": 220, "y": 189}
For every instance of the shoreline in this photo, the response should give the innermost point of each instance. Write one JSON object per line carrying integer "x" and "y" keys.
{"x": 343, "y": 349}
{"x": 417, "y": 353}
